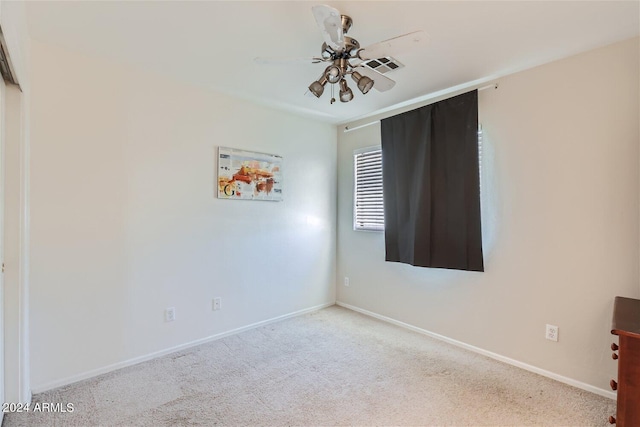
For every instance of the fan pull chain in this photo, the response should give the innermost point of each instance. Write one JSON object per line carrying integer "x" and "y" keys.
{"x": 333, "y": 99}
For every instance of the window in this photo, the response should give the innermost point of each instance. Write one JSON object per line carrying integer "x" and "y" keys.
{"x": 368, "y": 210}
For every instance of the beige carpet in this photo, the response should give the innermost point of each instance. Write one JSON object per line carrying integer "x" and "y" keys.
{"x": 332, "y": 367}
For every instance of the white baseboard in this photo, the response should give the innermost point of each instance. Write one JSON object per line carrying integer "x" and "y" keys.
{"x": 103, "y": 370}
{"x": 507, "y": 360}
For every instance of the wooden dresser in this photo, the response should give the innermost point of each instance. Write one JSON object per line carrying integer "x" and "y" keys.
{"x": 626, "y": 324}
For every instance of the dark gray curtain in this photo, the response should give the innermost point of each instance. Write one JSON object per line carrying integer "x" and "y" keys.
{"x": 431, "y": 185}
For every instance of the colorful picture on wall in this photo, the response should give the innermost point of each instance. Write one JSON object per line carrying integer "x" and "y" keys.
{"x": 244, "y": 175}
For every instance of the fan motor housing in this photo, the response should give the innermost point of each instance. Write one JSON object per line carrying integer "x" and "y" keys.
{"x": 351, "y": 47}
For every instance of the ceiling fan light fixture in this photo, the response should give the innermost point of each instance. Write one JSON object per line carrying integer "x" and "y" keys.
{"x": 317, "y": 87}
{"x": 364, "y": 83}
{"x": 346, "y": 94}
{"x": 333, "y": 74}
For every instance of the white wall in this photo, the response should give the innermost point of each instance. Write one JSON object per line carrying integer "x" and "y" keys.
{"x": 125, "y": 222}
{"x": 560, "y": 222}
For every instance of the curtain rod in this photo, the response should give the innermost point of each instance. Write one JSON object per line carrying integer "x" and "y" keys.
{"x": 349, "y": 129}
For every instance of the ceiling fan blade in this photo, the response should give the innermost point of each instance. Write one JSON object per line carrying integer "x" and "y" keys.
{"x": 380, "y": 81}
{"x": 285, "y": 61}
{"x": 330, "y": 23}
{"x": 394, "y": 46}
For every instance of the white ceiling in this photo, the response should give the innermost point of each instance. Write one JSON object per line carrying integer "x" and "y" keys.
{"x": 212, "y": 44}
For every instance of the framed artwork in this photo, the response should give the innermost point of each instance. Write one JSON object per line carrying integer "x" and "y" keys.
{"x": 245, "y": 175}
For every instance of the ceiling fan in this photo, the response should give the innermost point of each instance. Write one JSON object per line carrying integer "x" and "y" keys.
{"x": 346, "y": 57}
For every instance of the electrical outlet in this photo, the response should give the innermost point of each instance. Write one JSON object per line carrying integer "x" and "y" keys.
{"x": 346, "y": 281}
{"x": 170, "y": 314}
{"x": 552, "y": 333}
{"x": 217, "y": 304}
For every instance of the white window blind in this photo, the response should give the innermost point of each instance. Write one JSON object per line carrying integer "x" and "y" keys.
{"x": 367, "y": 205}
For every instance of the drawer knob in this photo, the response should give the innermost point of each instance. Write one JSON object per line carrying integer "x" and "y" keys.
{"x": 612, "y": 419}
{"x": 614, "y": 356}
{"x": 614, "y": 346}
{"x": 613, "y": 384}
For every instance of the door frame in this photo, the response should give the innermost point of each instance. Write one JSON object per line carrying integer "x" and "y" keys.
{"x": 14, "y": 219}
